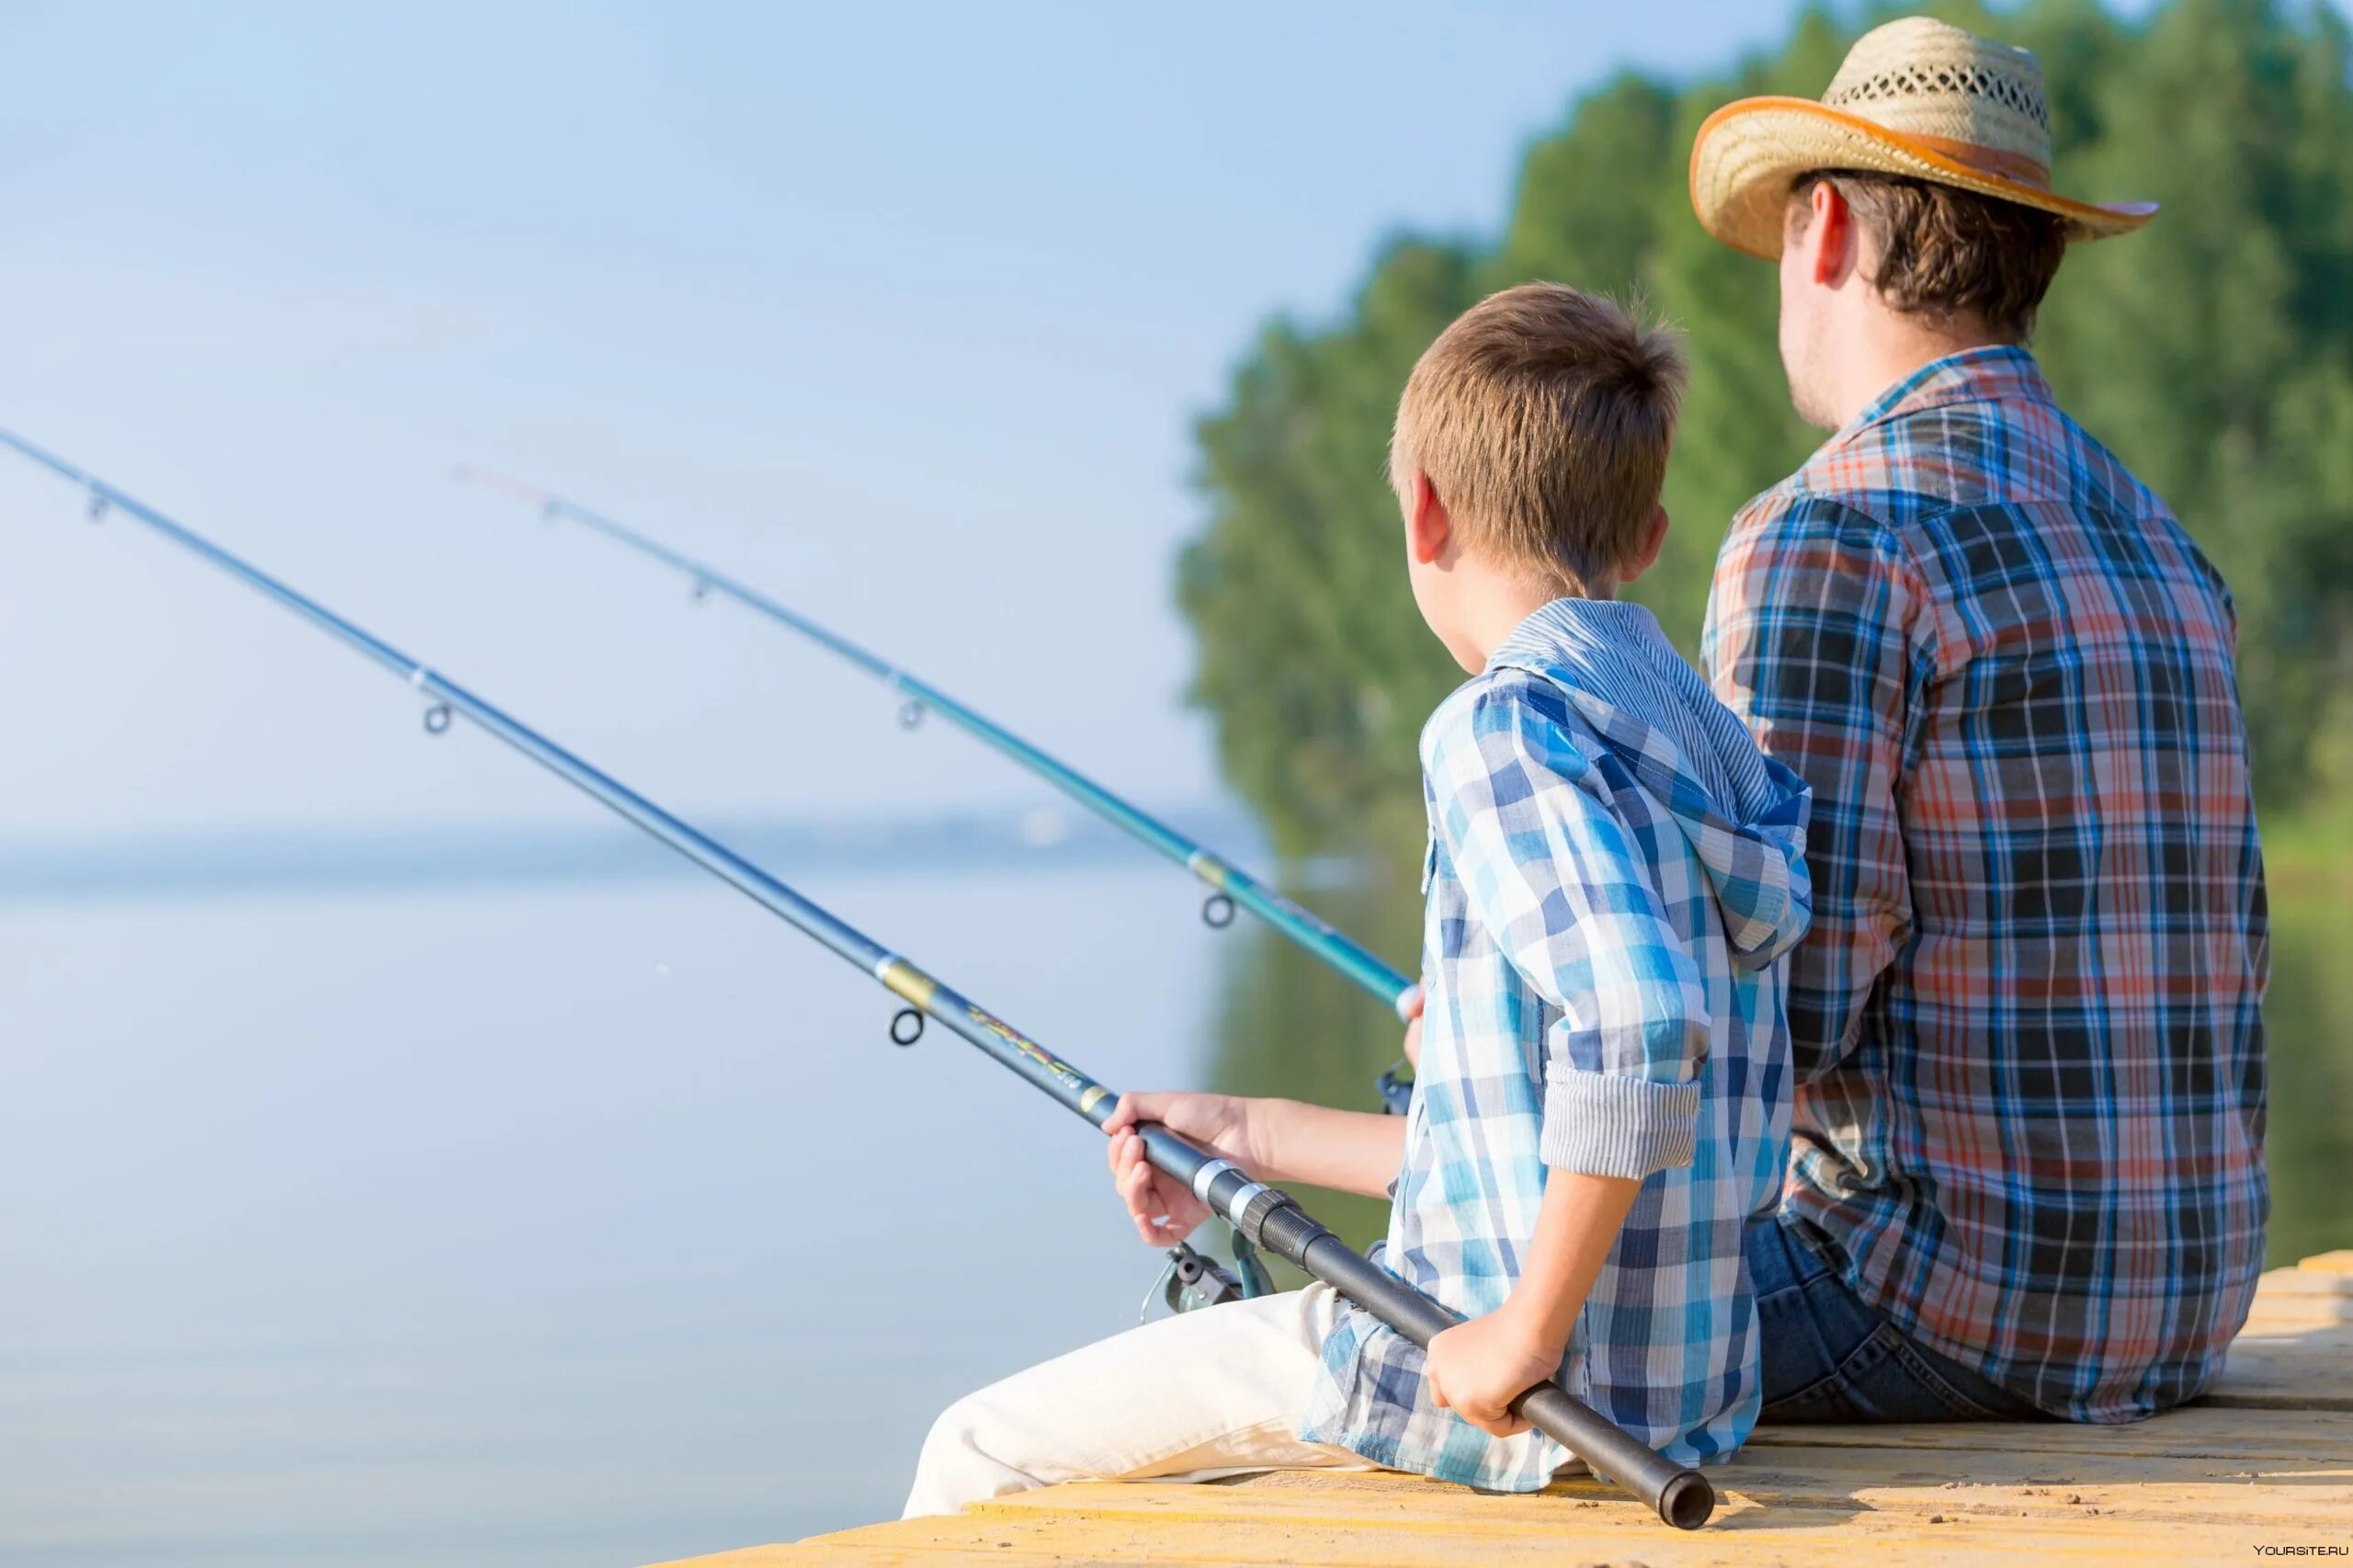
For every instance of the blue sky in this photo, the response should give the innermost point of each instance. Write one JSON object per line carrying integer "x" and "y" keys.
{"x": 900, "y": 311}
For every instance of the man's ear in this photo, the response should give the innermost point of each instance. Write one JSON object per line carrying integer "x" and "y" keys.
{"x": 1831, "y": 234}
{"x": 1646, "y": 553}
{"x": 1428, "y": 530}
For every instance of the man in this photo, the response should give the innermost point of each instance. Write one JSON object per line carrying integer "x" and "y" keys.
{"x": 2028, "y": 1172}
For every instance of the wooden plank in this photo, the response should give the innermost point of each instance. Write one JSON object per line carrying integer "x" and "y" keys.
{"x": 2266, "y": 1460}
{"x": 1884, "y": 1480}
{"x": 2304, "y": 1298}
{"x": 2020, "y": 1486}
{"x": 1891, "y": 1483}
{"x": 845, "y": 1548}
{"x": 2188, "y": 1509}
{"x": 2302, "y": 1303}
{"x": 2196, "y": 1432}
{"x": 2313, "y": 1370}
{"x": 2322, "y": 1339}
{"x": 1383, "y": 1502}
{"x": 1069, "y": 1540}
{"x": 2300, "y": 1316}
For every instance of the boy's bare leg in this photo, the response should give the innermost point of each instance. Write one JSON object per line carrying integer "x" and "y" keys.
{"x": 1204, "y": 1395}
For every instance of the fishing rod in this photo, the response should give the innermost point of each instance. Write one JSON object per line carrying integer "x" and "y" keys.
{"x": 1265, "y": 1217}
{"x": 1230, "y": 885}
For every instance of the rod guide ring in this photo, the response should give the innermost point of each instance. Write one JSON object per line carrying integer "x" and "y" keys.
{"x": 1217, "y": 912}
{"x": 436, "y": 718}
{"x": 907, "y": 1027}
{"x": 910, "y": 715}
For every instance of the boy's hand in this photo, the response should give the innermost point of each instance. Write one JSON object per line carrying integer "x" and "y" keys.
{"x": 1413, "y": 1028}
{"x": 1478, "y": 1367}
{"x": 1165, "y": 1211}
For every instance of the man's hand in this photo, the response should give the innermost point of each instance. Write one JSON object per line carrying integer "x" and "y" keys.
{"x": 1478, "y": 1367}
{"x": 1165, "y": 1211}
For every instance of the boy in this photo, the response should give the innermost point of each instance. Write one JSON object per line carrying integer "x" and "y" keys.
{"x": 1614, "y": 873}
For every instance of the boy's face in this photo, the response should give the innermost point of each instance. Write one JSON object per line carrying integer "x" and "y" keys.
{"x": 1434, "y": 566}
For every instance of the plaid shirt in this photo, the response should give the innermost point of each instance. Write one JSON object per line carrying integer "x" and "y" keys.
{"x": 1614, "y": 869}
{"x": 2030, "y": 1117}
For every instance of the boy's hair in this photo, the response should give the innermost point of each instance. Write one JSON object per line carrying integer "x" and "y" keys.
{"x": 1945, "y": 253}
{"x": 1543, "y": 417}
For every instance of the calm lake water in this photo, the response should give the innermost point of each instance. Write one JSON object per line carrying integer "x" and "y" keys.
{"x": 598, "y": 1222}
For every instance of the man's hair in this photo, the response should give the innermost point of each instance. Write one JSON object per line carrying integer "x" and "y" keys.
{"x": 1543, "y": 416}
{"x": 1947, "y": 254}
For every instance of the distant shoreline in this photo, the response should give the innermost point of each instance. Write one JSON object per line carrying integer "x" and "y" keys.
{"x": 323, "y": 859}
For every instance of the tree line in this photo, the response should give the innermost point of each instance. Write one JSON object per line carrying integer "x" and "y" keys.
{"x": 2214, "y": 351}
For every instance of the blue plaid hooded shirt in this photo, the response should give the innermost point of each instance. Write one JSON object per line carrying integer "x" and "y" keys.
{"x": 1615, "y": 871}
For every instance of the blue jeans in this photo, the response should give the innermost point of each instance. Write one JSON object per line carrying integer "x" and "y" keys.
{"x": 1829, "y": 1357}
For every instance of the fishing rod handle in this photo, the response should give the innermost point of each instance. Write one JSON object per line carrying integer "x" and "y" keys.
{"x": 1268, "y": 1219}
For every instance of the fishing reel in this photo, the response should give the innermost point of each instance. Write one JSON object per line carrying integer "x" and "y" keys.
{"x": 1190, "y": 1281}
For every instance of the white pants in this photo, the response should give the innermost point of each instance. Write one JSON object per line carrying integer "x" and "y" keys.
{"x": 1202, "y": 1394}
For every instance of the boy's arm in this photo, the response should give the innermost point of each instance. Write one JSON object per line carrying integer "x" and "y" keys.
{"x": 1478, "y": 1368}
{"x": 1821, "y": 635}
{"x": 1348, "y": 1151}
{"x": 1556, "y": 879}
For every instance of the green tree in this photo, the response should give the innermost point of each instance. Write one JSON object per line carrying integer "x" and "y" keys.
{"x": 2214, "y": 351}
{"x": 1288, "y": 1027}
{"x": 1312, "y": 657}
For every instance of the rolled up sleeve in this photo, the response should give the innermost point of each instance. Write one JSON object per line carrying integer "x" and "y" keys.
{"x": 1549, "y": 869}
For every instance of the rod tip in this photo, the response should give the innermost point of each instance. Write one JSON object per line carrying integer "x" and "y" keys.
{"x": 1688, "y": 1501}
{"x": 506, "y": 484}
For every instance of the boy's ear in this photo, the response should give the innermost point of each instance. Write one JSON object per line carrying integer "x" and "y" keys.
{"x": 1428, "y": 530}
{"x": 1646, "y": 553}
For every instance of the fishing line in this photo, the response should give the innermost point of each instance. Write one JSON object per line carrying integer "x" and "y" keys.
{"x": 1264, "y": 1217}
{"x": 1231, "y": 886}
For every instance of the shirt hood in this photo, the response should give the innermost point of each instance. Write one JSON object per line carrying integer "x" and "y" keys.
{"x": 1743, "y": 813}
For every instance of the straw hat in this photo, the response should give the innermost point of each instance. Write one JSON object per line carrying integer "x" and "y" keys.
{"x": 1915, "y": 98}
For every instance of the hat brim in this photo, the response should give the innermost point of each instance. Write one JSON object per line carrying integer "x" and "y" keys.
{"x": 1748, "y": 153}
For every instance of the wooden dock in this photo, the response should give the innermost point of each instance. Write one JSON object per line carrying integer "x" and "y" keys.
{"x": 2265, "y": 1461}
